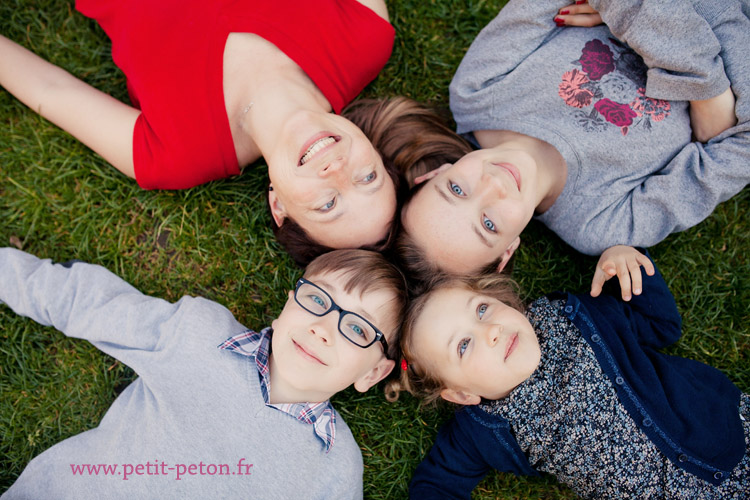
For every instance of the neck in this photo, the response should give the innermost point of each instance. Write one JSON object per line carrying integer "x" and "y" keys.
{"x": 257, "y": 72}
{"x": 274, "y": 106}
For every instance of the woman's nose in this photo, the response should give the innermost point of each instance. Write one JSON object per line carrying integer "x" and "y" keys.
{"x": 333, "y": 167}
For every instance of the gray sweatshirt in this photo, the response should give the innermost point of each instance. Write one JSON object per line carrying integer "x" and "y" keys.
{"x": 192, "y": 403}
{"x": 634, "y": 176}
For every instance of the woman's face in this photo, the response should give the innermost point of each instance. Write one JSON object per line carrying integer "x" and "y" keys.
{"x": 472, "y": 212}
{"x": 476, "y": 345}
{"x": 330, "y": 180}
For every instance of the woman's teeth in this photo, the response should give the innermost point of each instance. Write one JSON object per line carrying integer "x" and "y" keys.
{"x": 316, "y": 146}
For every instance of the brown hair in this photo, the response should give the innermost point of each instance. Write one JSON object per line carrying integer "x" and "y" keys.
{"x": 365, "y": 271}
{"x": 420, "y": 270}
{"x": 418, "y": 379}
{"x": 411, "y": 140}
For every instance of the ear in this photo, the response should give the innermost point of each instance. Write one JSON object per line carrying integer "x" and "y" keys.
{"x": 432, "y": 173}
{"x": 508, "y": 253}
{"x": 278, "y": 212}
{"x": 378, "y": 373}
{"x": 459, "y": 397}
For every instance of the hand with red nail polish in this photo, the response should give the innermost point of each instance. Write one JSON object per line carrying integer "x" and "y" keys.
{"x": 579, "y": 14}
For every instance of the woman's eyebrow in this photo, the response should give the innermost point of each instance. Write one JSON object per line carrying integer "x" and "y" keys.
{"x": 445, "y": 196}
{"x": 374, "y": 189}
{"x": 325, "y": 218}
{"x": 481, "y": 235}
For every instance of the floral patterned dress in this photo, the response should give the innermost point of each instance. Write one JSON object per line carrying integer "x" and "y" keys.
{"x": 569, "y": 422}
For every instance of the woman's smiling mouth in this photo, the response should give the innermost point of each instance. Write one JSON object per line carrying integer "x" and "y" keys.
{"x": 317, "y": 146}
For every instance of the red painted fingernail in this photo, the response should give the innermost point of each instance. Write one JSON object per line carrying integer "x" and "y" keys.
{"x": 563, "y": 12}
{"x": 579, "y": 2}
{"x": 559, "y": 22}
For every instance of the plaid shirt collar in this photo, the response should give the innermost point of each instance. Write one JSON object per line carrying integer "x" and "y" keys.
{"x": 258, "y": 345}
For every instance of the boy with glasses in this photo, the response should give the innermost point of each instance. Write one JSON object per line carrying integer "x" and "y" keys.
{"x": 218, "y": 411}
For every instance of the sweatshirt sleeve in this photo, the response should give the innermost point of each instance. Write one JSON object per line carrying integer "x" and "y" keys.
{"x": 699, "y": 177}
{"x": 520, "y": 28}
{"x": 653, "y": 313}
{"x": 465, "y": 450}
{"x": 675, "y": 40}
{"x": 88, "y": 302}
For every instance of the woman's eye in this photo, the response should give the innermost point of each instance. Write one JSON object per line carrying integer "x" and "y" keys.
{"x": 371, "y": 177}
{"x": 328, "y": 206}
{"x": 488, "y": 224}
{"x": 456, "y": 189}
{"x": 481, "y": 310}
{"x": 462, "y": 346}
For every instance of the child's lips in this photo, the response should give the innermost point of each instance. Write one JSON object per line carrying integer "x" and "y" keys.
{"x": 511, "y": 345}
{"x": 306, "y": 353}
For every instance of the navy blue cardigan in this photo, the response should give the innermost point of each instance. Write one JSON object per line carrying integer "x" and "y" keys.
{"x": 687, "y": 408}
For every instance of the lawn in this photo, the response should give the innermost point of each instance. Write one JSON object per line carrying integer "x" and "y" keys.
{"x": 60, "y": 200}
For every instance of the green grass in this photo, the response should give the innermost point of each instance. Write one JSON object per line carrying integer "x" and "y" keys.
{"x": 59, "y": 200}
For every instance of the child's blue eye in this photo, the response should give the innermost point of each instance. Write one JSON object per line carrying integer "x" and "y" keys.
{"x": 318, "y": 300}
{"x": 462, "y": 346}
{"x": 359, "y": 330}
{"x": 488, "y": 224}
{"x": 456, "y": 189}
{"x": 481, "y": 310}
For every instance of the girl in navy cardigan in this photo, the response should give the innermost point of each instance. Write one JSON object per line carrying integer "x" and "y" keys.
{"x": 575, "y": 387}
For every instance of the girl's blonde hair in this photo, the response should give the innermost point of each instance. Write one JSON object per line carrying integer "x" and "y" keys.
{"x": 417, "y": 379}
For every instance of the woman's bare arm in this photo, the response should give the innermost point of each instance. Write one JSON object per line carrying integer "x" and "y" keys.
{"x": 98, "y": 120}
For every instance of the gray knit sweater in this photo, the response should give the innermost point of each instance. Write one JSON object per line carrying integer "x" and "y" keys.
{"x": 634, "y": 176}
{"x": 192, "y": 403}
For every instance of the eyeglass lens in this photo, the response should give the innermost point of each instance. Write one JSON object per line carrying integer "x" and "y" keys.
{"x": 352, "y": 326}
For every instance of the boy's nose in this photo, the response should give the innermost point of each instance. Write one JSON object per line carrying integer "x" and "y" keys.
{"x": 325, "y": 328}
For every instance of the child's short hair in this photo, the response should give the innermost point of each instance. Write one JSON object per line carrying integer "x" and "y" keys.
{"x": 366, "y": 271}
{"x": 415, "y": 377}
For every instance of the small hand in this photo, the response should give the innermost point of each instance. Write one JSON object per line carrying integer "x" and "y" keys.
{"x": 710, "y": 117}
{"x": 625, "y": 262}
{"x": 578, "y": 14}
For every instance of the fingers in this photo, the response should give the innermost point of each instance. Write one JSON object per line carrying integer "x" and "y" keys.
{"x": 601, "y": 275}
{"x": 624, "y": 272}
{"x": 625, "y": 262}
{"x": 647, "y": 264}
{"x": 578, "y": 14}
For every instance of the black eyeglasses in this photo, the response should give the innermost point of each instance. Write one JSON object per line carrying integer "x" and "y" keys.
{"x": 352, "y": 326}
